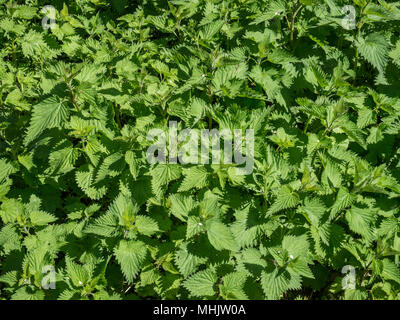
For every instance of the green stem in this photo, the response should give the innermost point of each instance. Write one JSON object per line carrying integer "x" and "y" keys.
{"x": 210, "y": 121}
{"x": 296, "y": 11}
{"x": 14, "y": 52}
{"x": 117, "y": 116}
{"x": 357, "y": 56}
{"x": 307, "y": 123}
{"x": 358, "y": 35}
{"x": 365, "y": 271}
{"x": 73, "y": 97}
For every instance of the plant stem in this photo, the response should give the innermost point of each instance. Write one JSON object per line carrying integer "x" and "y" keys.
{"x": 73, "y": 97}
{"x": 296, "y": 10}
{"x": 117, "y": 116}
{"x": 365, "y": 272}
{"x": 356, "y": 58}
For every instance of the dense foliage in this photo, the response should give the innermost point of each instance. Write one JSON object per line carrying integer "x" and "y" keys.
{"x": 77, "y": 194}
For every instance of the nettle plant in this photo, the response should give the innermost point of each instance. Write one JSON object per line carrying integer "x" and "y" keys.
{"x": 84, "y": 215}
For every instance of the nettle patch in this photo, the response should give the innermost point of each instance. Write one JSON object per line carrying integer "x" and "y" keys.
{"x": 307, "y": 93}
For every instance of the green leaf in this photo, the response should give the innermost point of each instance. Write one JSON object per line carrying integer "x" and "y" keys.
{"x": 41, "y": 218}
{"x": 374, "y": 48}
{"x": 11, "y": 210}
{"x": 146, "y": 225}
{"x": 196, "y": 177}
{"x": 390, "y": 271}
{"x": 202, "y": 283}
{"x": 275, "y": 283}
{"x": 360, "y": 221}
{"x": 286, "y": 199}
{"x": 220, "y": 236}
{"x": 181, "y": 206}
{"x": 233, "y": 286}
{"x": 131, "y": 256}
{"x": 50, "y": 113}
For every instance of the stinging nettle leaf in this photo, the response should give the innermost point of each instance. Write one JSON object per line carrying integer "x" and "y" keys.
{"x": 50, "y": 113}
